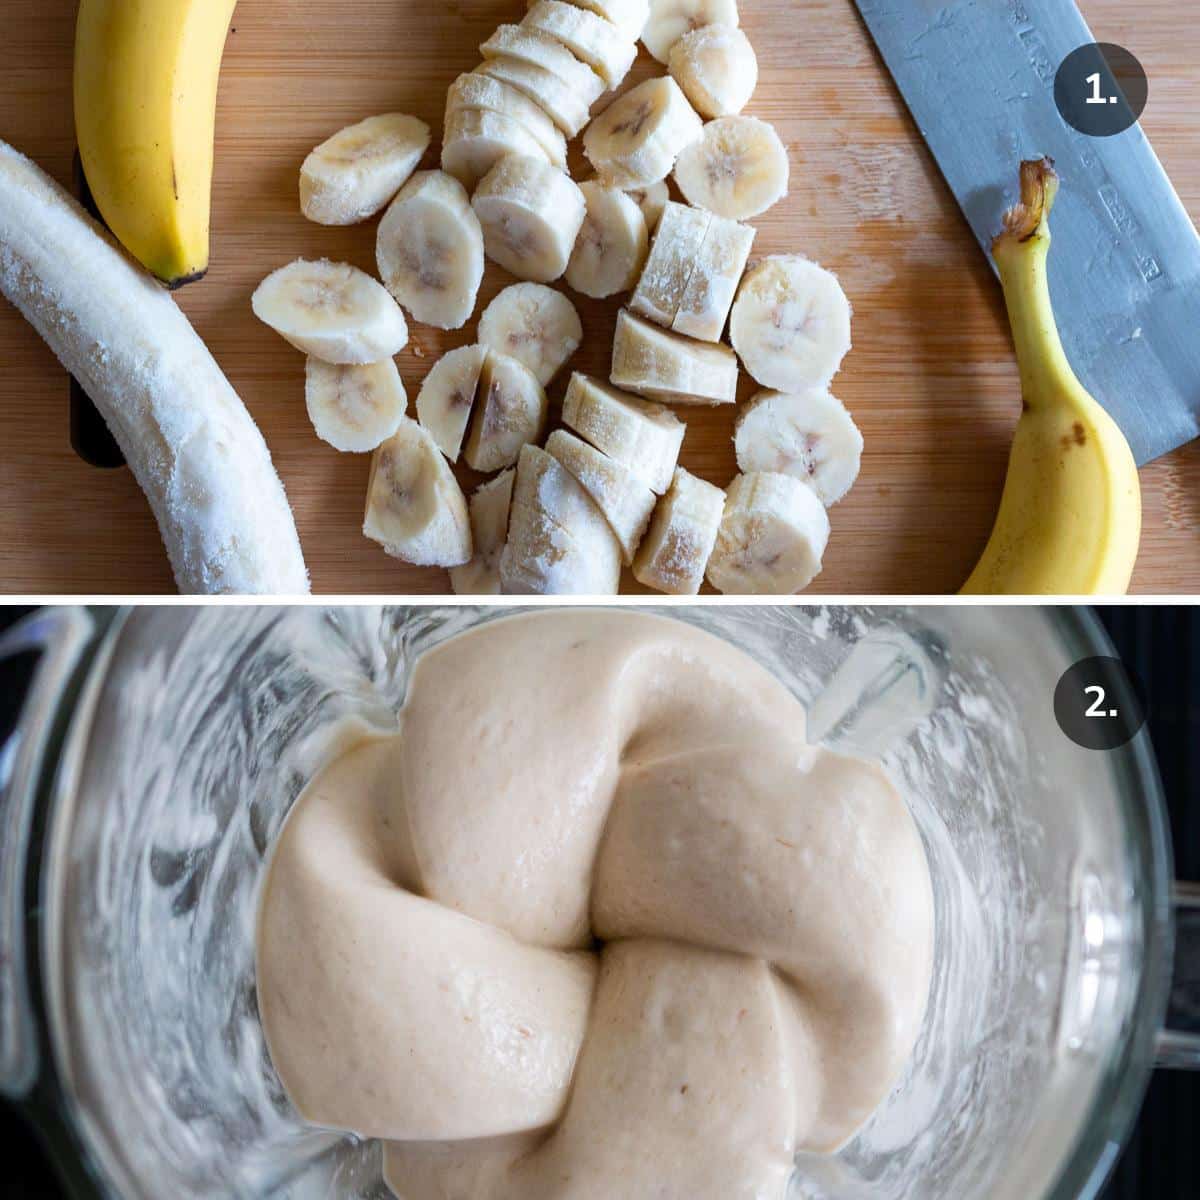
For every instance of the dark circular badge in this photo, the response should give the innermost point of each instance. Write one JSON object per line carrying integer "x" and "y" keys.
{"x": 1101, "y": 89}
{"x": 1098, "y": 704}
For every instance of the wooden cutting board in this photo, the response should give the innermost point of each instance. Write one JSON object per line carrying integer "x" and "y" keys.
{"x": 931, "y": 380}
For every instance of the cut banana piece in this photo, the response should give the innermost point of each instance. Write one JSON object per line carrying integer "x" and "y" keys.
{"x": 332, "y": 311}
{"x": 629, "y": 16}
{"x": 713, "y": 284}
{"x": 642, "y": 436}
{"x": 717, "y": 69}
{"x": 772, "y": 537}
{"x": 737, "y": 168}
{"x": 791, "y": 323}
{"x": 592, "y": 39}
{"x": 675, "y": 552}
{"x": 809, "y": 435}
{"x": 490, "y": 505}
{"x": 673, "y": 257}
{"x": 354, "y": 174}
{"x": 535, "y": 325}
{"x": 565, "y": 103}
{"x": 415, "y": 509}
{"x": 612, "y": 244}
{"x": 671, "y": 19}
{"x": 531, "y": 214}
{"x": 651, "y": 200}
{"x": 636, "y": 141}
{"x": 676, "y": 370}
{"x": 429, "y": 250}
{"x": 510, "y": 414}
{"x": 447, "y": 397}
{"x": 475, "y": 141}
{"x": 484, "y": 92}
{"x": 354, "y": 408}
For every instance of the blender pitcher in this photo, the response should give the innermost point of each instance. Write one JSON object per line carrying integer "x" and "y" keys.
{"x": 159, "y": 750}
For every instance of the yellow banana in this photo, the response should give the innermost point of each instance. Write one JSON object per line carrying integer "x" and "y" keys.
{"x": 1071, "y": 515}
{"x": 146, "y": 76}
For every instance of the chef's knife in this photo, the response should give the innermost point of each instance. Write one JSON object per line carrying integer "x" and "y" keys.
{"x": 978, "y": 77}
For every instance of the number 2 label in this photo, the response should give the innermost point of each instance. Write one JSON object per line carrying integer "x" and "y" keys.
{"x": 1094, "y": 709}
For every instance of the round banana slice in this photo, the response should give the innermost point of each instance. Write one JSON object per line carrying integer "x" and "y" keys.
{"x": 790, "y": 323}
{"x": 651, "y": 200}
{"x": 629, "y": 16}
{"x": 809, "y": 435}
{"x": 564, "y": 103}
{"x": 447, "y": 397}
{"x": 490, "y": 506}
{"x": 682, "y": 534}
{"x": 592, "y": 39}
{"x": 772, "y": 537}
{"x": 534, "y": 324}
{"x": 352, "y": 175}
{"x": 612, "y": 245}
{"x": 737, "y": 168}
{"x": 478, "y": 90}
{"x": 538, "y": 50}
{"x": 531, "y": 214}
{"x": 717, "y": 69}
{"x": 671, "y": 19}
{"x": 476, "y": 140}
{"x": 332, "y": 311}
{"x": 429, "y": 250}
{"x": 664, "y": 366}
{"x": 354, "y": 408}
{"x": 510, "y": 414}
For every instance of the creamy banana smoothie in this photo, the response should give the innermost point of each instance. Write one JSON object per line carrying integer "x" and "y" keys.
{"x": 597, "y": 921}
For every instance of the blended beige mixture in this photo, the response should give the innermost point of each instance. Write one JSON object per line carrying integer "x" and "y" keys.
{"x": 597, "y": 922}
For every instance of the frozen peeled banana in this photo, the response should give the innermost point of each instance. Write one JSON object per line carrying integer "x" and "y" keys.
{"x": 489, "y": 508}
{"x": 713, "y": 284}
{"x": 354, "y": 408}
{"x": 665, "y": 366}
{"x": 476, "y": 140}
{"x": 651, "y": 200}
{"x": 683, "y": 531}
{"x": 332, "y": 311}
{"x": 737, "y": 168}
{"x": 717, "y": 69}
{"x": 612, "y": 243}
{"x": 485, "y": 93}
{"x": 354, "y": 174}
{"x": 510, "y": 413}
{"x": 534, "y": 324}
{"x": 772, "y": 538}
{"x": 673, "y": 257}
{"x": 606, "y": 49}
{"x": 790, "y": 323}
{"x": 565, "y": 103}
{"x": 671, "y": 19}
{"x": 447, "y": 397}
{"x": 629, "y": 16}
{"x": 429, "y": 250}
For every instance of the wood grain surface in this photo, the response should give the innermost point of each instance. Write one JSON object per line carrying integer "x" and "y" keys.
{"x": 931, "y": 379}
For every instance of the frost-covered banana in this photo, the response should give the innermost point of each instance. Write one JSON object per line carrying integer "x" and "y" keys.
{"x": 674, "y": 254}
{"x": 605, "y": 48}
{"x": 675, "y": 551}
{"x": 651, "y": 200}
{"x": 332, "y": 311}
{"x": 447, "y": 397}
{"x": 531, "y": 214}
{"x": 808, "y": 434}
{"x": 624, "y": 499}
{"x": 712, "y": 286}
{"x": 717, "y": 69}
{"x": 772, "y": 537}
{"x": 511, "y": 413}
{"x": 478, "y": 90}
{"x": 535, "y": 325}
{"x": 415, "y": 509}
{"x": 429, "y": 250}
{"x": 354, "y": 408}
{"x": 490, "y": 505}
{"x": 629, "y": 16}
{"x": 352, "y": 175}
{"x": 665, "y": 366}
{"x": 565, "y": 101}
{"x": 476, "y": 140}
{"x": 790, "y": 323}
{"x": 612, "y": 244}
{"x": 737, "y": 168}
{"x": 671, "y": 19}
{"x": 642, "y": 436}
{"x": 636, "y": 141}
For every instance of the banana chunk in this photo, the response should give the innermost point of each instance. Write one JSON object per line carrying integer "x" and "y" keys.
{"x": 534, "y": 324}
{"x": 643, "y": 437}
{"x": 809, "y": 435}
{"x": 791, "y": 323}
{"x": 612, "y": 244}
{"x": 354, "y": 408}
{"x": 673, "y": 257}
{"x": 629, "y": 16}
{"x": 415, "y": 509}
{"x": 511, "y": 413}
{"x": 565, "y": 103}
{"x": 447, "y": 397}
{"x": 605, "y": 48}
{"x": 717, "y": 69}
{"x": 429, "y": 250}
{"x": 352, "y": 175}
{"x": 671, "y": 19}
{"x": 772, "y": 537}
{"x": 664, "y": 366}
{"x": 737, "y": 168}
{"x": 331, "y": 311}
{"x": 483, "y": 92}
{"x": 651, "y": 200}
{"x": 531, "y": 214}
{"x": 476, "y": 140}
{"x": 636, "y": 141}
{"x": 490, "y": 505}
{"x": 675, "y": 552}
{"x": 713, "y": 284}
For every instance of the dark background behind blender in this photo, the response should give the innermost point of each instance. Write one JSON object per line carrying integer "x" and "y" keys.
{"x": 1162, "y": 1160}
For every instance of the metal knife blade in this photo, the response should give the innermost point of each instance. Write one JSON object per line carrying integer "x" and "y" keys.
{"x": 978, "y": 78}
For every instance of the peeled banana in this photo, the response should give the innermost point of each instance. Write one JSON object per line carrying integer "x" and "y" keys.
{"x": 675, "y": 552}
{"x": 671, "y": 19}
{"x": 737, "y": 168}
{"x": 664, "y": 366}
{"x": 489, "y": 507}
{"x": 534, "y": 324}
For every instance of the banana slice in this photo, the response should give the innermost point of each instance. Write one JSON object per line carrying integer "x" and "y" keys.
{"x": 612, "y": 244}
{"x": 809, "y": 435}
{"x": 447, "y": 396}
{"x": 713, "y": 284}
{"x": 629, "y": 16}
{"x": 664, "y": 366}
{"x": 332, "y": 311}
{"x": 637, "y": 139}
{"x": 682, "y": 534}
{"x": 671, "y": 19}
{"x": 642, "y": 436}
{"x": 429, "y": 250}
{"x": 415, "y": 509}
{"x": 534, "y": 324}
{"x": 772, "y": 537}
{"x": 475, "y": 141}
{"x": 531, "y": 214}
{"x": 485, "y": 93}
{"x": 673, "y": 257}
{"x": 737, "y": 168}
{"x": 354, "y": 408}
{"x": 791, "y": 323}
{"x": 352, "y": 175}
{"x": 595, "y": 41}
{"x": 565, "y": 103}
{"x": 651, "y": 200}
{"x": 490, "y": 507}
{"x": 511, "y": 413}
{"x": 717, "y": 69}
